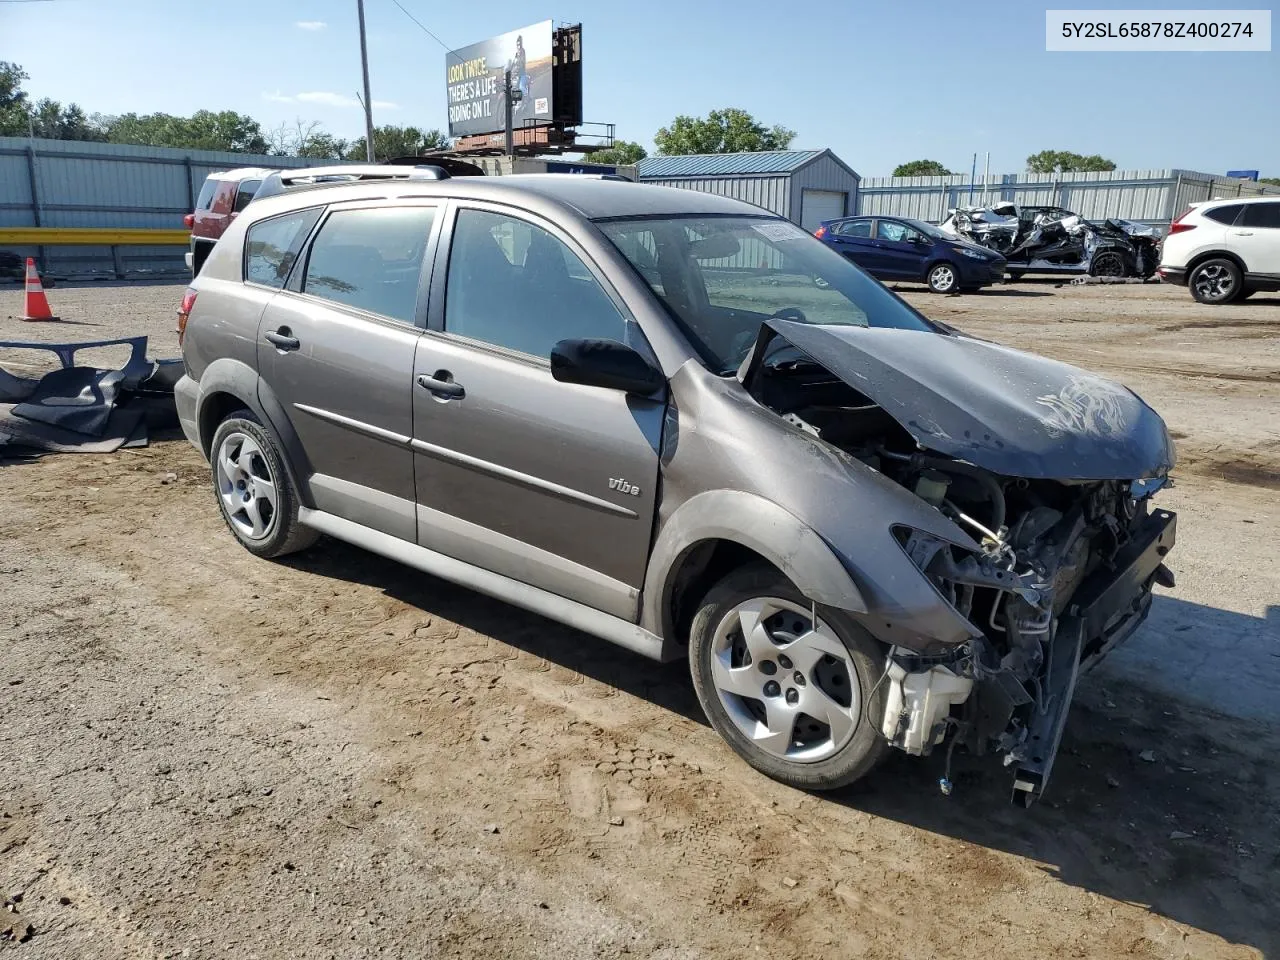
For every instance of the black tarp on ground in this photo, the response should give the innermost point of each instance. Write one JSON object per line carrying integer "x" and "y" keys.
{"x": 78, "y": 409}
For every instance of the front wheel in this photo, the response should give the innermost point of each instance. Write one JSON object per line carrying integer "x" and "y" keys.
{"x": 790, "y": 693}
{"x": 942, "y": 278}
{"x": 1215, "y": 281}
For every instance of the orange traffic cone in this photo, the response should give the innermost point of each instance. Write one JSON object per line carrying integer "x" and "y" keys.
{"x": 37, "y": 304}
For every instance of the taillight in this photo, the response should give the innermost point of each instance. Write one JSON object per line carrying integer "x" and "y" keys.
{"x": 1177, "y": 226}
{"x": 820, "y": 232}
{"x": 184, "y": 312}
{"x": 189, "y": 220}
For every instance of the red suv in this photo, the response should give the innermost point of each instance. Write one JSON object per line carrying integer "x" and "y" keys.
{"x": 223, "y": 195}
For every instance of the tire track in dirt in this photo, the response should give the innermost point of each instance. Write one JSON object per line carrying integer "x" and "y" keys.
{"x": 476, "y": 712}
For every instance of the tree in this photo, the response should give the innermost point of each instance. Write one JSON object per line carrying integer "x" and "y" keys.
{"x": 621, "y": 153}
{"x": 722, "y": 131}
{"x": 921, "y": 168}
{"x": 13, "y": 100}
{"x": 306, "y": 140}
{"x": 1064, "y": 161}
{"x": 47, "y": 119}
{"x": 391, "y": 141}
{"x": 203, "y": 130}
{"x": 1274, "y": 181}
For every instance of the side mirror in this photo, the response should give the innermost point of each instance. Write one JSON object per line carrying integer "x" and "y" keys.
{"x": 604, "y": 363}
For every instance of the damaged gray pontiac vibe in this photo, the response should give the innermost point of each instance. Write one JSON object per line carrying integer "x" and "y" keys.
{"x": 683, "y": 425}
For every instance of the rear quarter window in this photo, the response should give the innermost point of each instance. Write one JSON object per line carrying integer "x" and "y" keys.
{"x": 206, "y": 194}
{"x": 245, "y": 194}
{"x": 1224, "y": 214}
{"x": 271, "y": 246}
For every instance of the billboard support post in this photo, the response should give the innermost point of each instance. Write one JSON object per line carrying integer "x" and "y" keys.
{"x": 509, "y": 103}
{"x": 368, "y": 102}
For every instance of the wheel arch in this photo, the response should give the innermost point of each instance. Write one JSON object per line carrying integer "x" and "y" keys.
{"x": 227, "y": 385}
{"x": 720, "y": 530}
{"x": 1200, "y": 258}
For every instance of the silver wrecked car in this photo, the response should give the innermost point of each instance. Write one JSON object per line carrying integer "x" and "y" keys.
{"x": 685, "y": 426}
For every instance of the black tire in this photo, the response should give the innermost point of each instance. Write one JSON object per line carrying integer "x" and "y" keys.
{"x": 1246, "y": 293}
{"x": 1215, "y": 281}
{"x": 283, "y": 533}
{"x": 943, "y": 278}
{"x": 1015, "y": 276}
{"x": 1108, "y": 263}
{"x": 863, "y": 750}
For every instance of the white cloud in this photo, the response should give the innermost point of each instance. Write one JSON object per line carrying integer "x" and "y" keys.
{"x": 326, "y": 98}
{"x": 311, "y": 25}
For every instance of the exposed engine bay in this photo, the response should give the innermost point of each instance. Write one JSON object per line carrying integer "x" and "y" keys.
{"x": 1055, "y": 240}
{"x": 1062, "y": 570}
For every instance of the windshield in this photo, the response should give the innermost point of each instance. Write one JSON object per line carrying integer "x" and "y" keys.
{"x": 722, "y": 277}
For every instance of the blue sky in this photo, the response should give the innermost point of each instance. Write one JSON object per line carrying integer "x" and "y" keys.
{"x": 878, "y": 82}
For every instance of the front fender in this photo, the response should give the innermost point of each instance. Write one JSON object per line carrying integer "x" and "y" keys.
{"x": 758, "y": 524}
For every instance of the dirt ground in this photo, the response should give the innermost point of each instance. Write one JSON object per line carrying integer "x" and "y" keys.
{"x": 207, "y": 755}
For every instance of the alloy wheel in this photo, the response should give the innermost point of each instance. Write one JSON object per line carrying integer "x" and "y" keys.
{"x": 1214, "y": 282}
{"x": 246, "y": 486}
{"x": 1108, "y": 265}
{"x": 942, "y": 279}
{"x": 785, "y": 680}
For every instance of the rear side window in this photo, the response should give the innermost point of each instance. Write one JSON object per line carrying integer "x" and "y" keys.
{"x": 206, "y": 194}
{"x": 1226, "y": 214}
{"x": 1261, "y": 215}
{"x": 247, "y": 190}
{"x": 371, "y": 259}
{"x": 855, "y": 228}
{"x": 271, "y": 246}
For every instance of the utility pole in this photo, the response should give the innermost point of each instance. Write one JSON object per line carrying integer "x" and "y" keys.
{"x": 508, "y": 101}
{"x": 368, "y": 101}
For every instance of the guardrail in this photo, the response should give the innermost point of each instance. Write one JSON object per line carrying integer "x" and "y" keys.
{"x": 91, "y": 237}
{"x": 113, "y": 237}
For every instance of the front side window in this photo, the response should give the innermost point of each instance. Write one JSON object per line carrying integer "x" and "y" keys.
{"x": 245, "y": 194}
{"x": 855, "y": 228}
{"x": 371, "y": 259}
{"x": 893, "y": 231}
{"x": 516, "y": 286}
{"x": 722, "y": 277}
{"x": 1261, "y": 215}
{"x": 271, "y": 246}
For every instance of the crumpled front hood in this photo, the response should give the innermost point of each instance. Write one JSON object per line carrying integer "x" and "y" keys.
{"x": 1007, "y": 411}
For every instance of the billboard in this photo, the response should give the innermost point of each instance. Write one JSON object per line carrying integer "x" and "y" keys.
{"x": 474, "y": 79}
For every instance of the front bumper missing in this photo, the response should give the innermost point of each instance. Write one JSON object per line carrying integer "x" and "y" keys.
{"x": 1107, "y": 608}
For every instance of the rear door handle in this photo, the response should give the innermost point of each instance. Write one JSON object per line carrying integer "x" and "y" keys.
{"x": 282, "y": 339}
{"x": 440, "y": 387}
{"x": 1244, "y": 233}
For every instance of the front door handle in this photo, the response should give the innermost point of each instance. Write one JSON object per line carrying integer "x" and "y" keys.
{"x": 1244, "y": 233}
{"x": 282, "y": 339}
{"x": 440, "y": 387}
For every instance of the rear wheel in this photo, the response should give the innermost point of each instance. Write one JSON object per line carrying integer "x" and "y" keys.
{"x": 790, "y": 693}
{"x": 253, "y": 489}
{"x": 1215, "y": 281}
{"x": 942, "y": 278}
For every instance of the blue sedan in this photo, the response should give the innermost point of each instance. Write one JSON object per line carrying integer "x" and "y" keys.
{"x": 895, "y": 248}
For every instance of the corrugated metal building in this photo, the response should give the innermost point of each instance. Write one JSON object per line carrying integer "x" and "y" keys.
{"x": 1150, "y": 196}
{"x": 805, "y": 186}
{"x": 69, "y": 183}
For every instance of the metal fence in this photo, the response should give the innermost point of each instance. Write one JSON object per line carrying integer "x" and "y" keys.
{"x": 1149, "y": 196}
{"x": 67, "y": 183}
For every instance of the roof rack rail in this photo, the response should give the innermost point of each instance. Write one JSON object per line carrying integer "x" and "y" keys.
{"x": 310, "y": 177}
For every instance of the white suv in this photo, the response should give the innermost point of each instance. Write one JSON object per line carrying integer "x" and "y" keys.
{"x": 1224, "y": 250}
